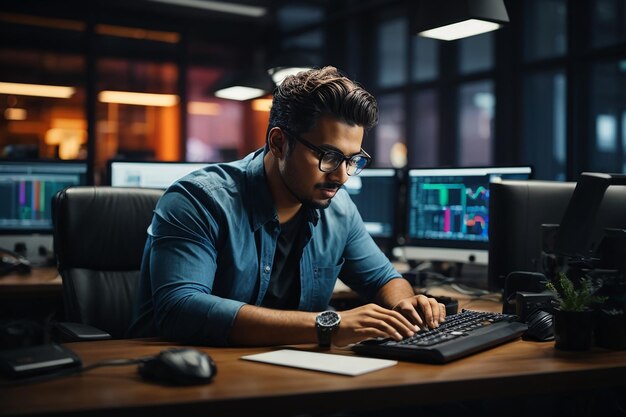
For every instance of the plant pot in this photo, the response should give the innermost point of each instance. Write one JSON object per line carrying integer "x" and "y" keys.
{"x": 610, "y": 329}
{"x": 573, "y": 330}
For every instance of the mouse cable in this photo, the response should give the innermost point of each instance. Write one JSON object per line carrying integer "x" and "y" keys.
{"x": 114, "y": 362}
{"x": 72, "y": 371}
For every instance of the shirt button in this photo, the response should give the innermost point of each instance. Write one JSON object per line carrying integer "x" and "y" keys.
{"x": 267, "y": 269}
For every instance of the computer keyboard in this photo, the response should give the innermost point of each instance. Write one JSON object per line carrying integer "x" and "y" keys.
{"x": 460, "y": 335}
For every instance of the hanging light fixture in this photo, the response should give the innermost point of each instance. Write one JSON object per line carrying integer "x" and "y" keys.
{"x": 456, "y": 19}
{"x": 244, "y": 85}
{"x": 289, "y": 63}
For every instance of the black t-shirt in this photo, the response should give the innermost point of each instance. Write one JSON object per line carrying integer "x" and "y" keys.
{"x": 284, "y": 288}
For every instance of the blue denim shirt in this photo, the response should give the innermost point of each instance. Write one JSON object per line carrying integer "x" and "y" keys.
{"x": 211, "y": 245}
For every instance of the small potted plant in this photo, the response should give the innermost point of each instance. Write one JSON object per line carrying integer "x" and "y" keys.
{"x": 573, "y": 314}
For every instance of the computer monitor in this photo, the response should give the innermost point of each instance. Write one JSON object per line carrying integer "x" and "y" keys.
{"x": 447, "y": 212}
{"x": 518, "y": 211}
{"x": 375, "y": 191}
{"x": 148, "y": 174}
{"x": 27, "y": 189}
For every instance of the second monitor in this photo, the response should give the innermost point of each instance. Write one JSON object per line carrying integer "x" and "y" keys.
{"x": 447, "y": 212}
{"x": 149, "y": 174}
{"x": 375, "y": 192}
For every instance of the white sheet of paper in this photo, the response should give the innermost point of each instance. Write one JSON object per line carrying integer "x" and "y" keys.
{"x": 325, "y": 362}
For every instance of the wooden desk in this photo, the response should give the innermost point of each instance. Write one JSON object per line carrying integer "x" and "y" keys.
{"x": 243, "y": 388}
{"x": 36, "y": 296}
{"x": 40, "y": 281}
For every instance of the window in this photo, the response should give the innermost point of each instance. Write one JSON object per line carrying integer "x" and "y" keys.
{"x": 545, "y": 29}
{"x": 392, "y": 53}
{"x": 425, "y": 58}
{"x": 476, "y": 53}
{"x": 423, "y": 150}
{"x": 390, "y": 133}
{"x": 544, "y": 134}
{"x": 476, "y": 114}
{"x": 608, "y": 22}
{"x": 607, "y": 117}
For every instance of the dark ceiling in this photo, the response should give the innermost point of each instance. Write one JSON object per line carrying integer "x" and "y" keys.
{"x": 209, "y": 37}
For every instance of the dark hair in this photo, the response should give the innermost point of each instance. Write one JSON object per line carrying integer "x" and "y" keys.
{"x": 301, "y": 99}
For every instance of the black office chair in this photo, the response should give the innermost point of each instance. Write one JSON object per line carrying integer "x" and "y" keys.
{"x": 99, "y": 235}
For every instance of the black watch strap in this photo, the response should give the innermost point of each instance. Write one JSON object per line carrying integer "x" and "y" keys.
{"x": 324, "y": 336}
{"x": 325, "y": 324}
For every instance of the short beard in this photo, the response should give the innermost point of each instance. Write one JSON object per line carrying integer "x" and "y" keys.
{"x": 316, "y": 204}
{"x": 321, "y": 205}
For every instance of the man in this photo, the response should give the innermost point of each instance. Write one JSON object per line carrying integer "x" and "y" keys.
{"x": 248, "y": 252}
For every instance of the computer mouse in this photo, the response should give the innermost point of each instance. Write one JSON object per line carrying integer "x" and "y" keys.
{"x": 540, "y": 327}
{"x": 452, "y": 304}
{"x": 179, "y": 366}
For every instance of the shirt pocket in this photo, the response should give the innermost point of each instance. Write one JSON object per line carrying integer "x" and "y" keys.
{"x": 324, "y": 283}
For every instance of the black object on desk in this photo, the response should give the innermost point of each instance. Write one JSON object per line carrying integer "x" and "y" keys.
{"x": 13, "y": 262}
{"x": 37, "y": 360}
{"x": 182, "y": 366}
{"x": 460, "y": 335}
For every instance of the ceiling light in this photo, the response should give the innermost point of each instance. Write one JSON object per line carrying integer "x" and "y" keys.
{"x": 219, "y": 6}
{"x": 244, "y": 85}
{"x": 289, "y": 63}
{"x": 36, "y": 90}
{"x": 278, "y": 75}
{"x": 239, "y": 93}
{"x": 460, "y": 30}
{"x": 138, "y": 99}
{"x": 455, "y": 19}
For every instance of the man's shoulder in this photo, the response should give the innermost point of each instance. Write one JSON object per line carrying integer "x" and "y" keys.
{"x": 224, "y": 175}
{"x": 216, "y": 176}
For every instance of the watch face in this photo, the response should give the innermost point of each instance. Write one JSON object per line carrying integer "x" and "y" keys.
{"x": 328, "y": 319}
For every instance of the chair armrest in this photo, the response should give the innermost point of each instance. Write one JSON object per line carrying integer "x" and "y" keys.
{"x": 78, "y": 332}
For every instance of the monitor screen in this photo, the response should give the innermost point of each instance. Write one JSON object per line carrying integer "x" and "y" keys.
{"x": 375, "y": 192}
{"x": 149, "y": 174}
{"x": 447, "y": 212}
{"x": 26, "y": 192}
{"x": 27, "y": 188}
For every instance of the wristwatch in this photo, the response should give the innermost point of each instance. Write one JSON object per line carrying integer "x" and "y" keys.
{"x": 326, "y": 322}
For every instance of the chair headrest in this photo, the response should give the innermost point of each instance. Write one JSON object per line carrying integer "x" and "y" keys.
{"x": 103, "y": 228}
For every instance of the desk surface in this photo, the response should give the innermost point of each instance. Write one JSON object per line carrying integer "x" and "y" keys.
{"x": 241, "y": 386}
{"x": 39, "y": 281}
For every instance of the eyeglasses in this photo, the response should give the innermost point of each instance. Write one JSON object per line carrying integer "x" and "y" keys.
{"x": 330, "y": 160}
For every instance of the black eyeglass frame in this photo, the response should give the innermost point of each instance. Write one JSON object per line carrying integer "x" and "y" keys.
{"x": 341, "y": 157}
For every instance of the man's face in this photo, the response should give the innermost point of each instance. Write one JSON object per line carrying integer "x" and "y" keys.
{"x": 300, "y": 169}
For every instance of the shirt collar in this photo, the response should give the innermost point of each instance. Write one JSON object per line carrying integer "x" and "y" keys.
{"x": 261, "y": 205}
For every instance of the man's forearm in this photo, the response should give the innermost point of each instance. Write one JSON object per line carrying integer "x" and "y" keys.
{"x": 258, "y": 326}
{"x": 392, "y": 292}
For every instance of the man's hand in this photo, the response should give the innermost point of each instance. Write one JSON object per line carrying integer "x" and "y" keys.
{"x": 423, "y": 311}
{"x": 370, "y": 321}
